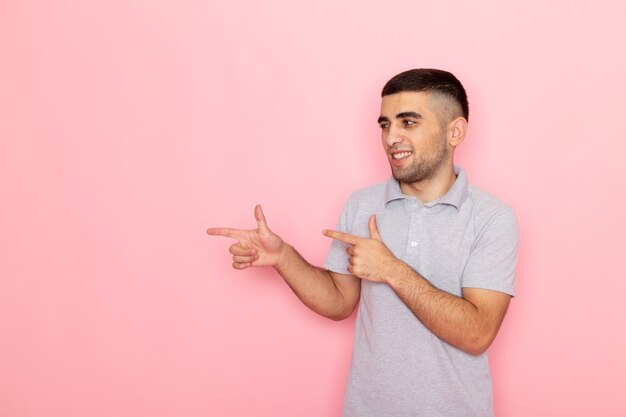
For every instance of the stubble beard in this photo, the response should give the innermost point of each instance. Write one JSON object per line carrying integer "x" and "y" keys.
{"x": 421, "y": 170}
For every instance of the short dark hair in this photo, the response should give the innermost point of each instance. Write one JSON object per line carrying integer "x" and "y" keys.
{"x": 429, "y": 80}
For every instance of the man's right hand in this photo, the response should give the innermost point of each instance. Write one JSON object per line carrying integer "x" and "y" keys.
{"x": 257, "y": 247}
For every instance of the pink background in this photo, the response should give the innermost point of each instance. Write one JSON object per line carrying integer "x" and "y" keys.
{"x": 129, "y": 127}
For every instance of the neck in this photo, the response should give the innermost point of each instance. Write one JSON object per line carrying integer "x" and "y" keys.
{"x": 432, "y": 188}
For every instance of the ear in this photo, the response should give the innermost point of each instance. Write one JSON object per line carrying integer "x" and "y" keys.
{"x": 457, "y": 129}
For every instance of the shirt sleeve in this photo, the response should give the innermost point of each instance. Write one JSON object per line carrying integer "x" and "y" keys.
{"x": 492, "y": 261}
{"x": 337, "y": 259}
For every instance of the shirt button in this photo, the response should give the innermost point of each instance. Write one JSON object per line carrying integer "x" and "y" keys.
{"x": 413, "y": 244}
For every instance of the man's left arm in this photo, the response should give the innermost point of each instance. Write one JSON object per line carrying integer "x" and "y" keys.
{"x": 469, "y": 323}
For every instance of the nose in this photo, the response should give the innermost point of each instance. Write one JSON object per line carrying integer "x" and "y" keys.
{"x": 393, "y": 136}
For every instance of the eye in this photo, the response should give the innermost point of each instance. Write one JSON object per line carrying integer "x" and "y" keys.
{"x": 384, "y": 126}
{"x": 408, "y": 123}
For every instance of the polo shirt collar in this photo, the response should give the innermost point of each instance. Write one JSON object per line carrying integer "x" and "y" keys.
{"x": 455, "y": 195}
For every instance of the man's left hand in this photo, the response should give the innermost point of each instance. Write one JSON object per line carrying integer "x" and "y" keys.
{"x": 369, "y": 258}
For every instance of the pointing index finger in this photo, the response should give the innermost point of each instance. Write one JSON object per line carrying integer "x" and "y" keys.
{"x": 224, "y": 231}
{"x": 343, "y": 237}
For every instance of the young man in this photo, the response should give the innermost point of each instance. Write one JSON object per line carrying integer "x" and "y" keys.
{"x": 431, "y": 259}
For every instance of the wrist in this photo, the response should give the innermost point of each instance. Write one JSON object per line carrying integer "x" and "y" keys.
{"x": 283, "y": 257}
{"x": 400, "y": 273}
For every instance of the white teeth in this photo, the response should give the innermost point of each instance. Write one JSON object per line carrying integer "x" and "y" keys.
{"x": 401, "y": 155}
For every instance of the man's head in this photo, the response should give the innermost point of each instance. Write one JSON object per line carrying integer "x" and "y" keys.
{"x": 423, "y": 118}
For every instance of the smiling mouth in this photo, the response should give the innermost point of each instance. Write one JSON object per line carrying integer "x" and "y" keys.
{"x": 401, "y": 155}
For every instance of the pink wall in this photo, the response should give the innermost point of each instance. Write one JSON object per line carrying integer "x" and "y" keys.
{"x": 128, "y": 128}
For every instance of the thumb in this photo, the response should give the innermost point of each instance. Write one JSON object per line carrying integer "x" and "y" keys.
{"x": 373, "y": 228}
{"x": 260, "y": 219}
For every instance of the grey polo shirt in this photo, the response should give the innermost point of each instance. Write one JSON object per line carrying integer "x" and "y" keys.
{"x": 467, "y": 238}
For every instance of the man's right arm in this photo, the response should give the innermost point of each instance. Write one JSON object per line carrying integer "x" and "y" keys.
{"x": 327, "y": 293}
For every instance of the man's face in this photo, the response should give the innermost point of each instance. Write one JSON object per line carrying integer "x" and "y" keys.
{"x": 413, "y": 136}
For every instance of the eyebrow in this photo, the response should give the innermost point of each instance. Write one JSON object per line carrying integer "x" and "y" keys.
{"x": 406, "y": 114}
{"x": 402, "y": 115}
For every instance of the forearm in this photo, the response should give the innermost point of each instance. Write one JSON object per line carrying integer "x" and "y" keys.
{"x": 314, "y": 286}
{"x": 453, "y": 319}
